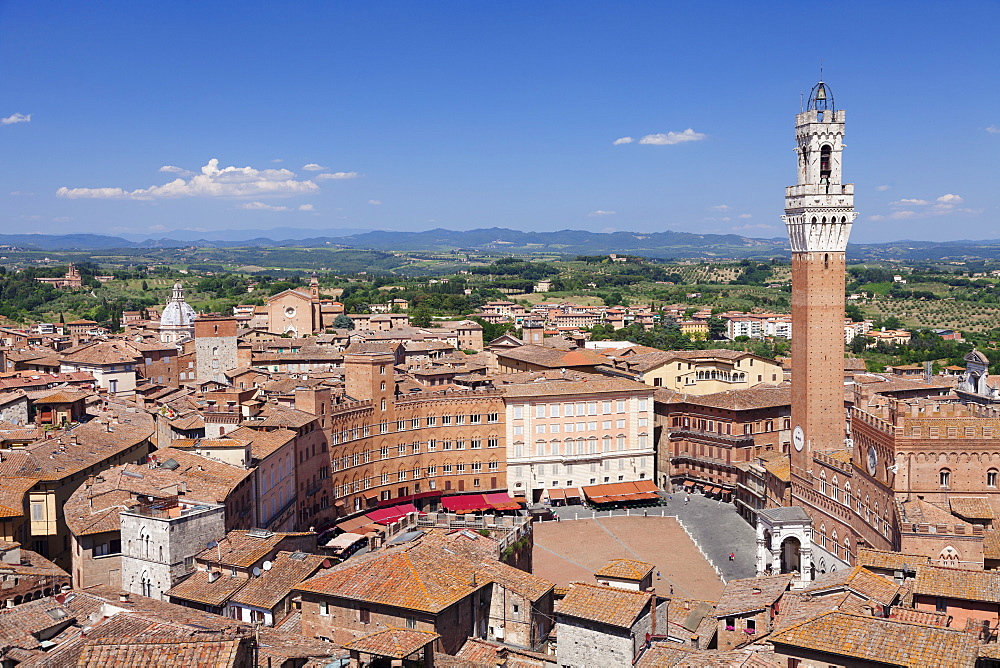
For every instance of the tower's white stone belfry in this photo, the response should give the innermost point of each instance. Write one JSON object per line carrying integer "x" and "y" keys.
{"x": 819, "y": 209}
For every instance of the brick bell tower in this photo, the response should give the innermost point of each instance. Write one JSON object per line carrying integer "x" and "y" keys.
{"x": 819, "y": 212}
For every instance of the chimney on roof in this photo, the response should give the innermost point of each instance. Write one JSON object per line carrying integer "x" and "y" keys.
{"x": 652, "y": 610}
{"x": 123, "y": 597}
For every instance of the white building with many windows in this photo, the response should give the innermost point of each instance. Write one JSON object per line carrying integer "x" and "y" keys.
{"x": 577, "y": 431}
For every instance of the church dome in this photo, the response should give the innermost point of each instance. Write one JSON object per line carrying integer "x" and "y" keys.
{"x": 177, "y": 312}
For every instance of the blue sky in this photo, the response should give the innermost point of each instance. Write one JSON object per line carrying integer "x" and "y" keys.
{"x": 124, "y": 117}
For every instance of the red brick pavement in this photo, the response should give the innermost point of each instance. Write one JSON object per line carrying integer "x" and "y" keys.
{"x": 572, "y": 550}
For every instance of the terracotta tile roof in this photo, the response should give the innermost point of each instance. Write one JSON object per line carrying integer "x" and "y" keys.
{"x": 918, "y": 511}
{"x": 263, "y": 443}
{"x": 557, "y": 387}
{"x": 280, "y": 416}
{"x": 103, "y": 353}
{"x": 669, "y": 654}
{"x": 241, "y": 549}
{"x": 859, "y": 580}
{"x": 60, "y": 395}
{"x": 209, "y": 475}
{"x": 885, "y": 641}
{"x": 12, "y": 493}
{"x": 957, "y": 583}
{"x": 407, "y": 579}
{"x": 752, "y": 398}
{"x": 421, "y": 577}
{"x": 780, "y": 468}
{"x": 165, "y": 652}
{"x": 59, "y": 458}
{"x": 625, "y": 569}
{"x": 478, "y": 651}
{"x": 393, "y": 642}
{"x": 95, "y": 505}
{"x": 897, "y": 561}
{"x": 920, "y": 616}
{"x": 607, "y": 605}
{"x": 551, "y": 357}
{"x": 283, "y": 645}
{"x": 275, "y": 584}
{"x": 971, "y": 507}
{"x": 991, "y": 544}
{"x": 751, "y": 594}
{"x": 200, "y": 588}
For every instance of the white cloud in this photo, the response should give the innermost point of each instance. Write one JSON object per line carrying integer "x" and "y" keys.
{"x": 622, "y": 140}
{"x": 882, "y": 188}
{"x": 601, "y": 212}
{"x": 278, "y": 160}
{"x": 172, "y": 169}
{"x": 261, "y": 206}
{"x": 922, "y": 208}
{"x": 745, "y": 215}
{"x": 307, "y": 207}
{"x": 15, "y": 118}
{"x": 212, "y": 182}
{"x": 313, "y": 167}
{"x": 669, "y": 138}
{"x": 375, "y": 202}
{"x": 337, "y": 175}
{"x": 720, "y": 207}
{"x": 993, "y": 130}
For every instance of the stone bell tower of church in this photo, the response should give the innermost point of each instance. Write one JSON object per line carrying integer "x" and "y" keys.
{"x": 819, "y": 212}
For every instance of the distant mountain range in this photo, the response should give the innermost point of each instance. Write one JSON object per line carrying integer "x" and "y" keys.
{"x": 667, "y": 244}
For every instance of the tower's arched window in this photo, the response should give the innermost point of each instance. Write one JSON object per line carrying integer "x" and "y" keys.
{"x": 944, "y": 477}
{"x": 824, "y": 163}
{"x": 991, "y": 478}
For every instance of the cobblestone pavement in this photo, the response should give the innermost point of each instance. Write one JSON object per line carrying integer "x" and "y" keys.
{"x": 716, "y": 528}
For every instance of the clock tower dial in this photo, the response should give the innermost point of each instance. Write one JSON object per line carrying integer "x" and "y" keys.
{"x": 798, "y": 438}
{"x": 872, "y": 460}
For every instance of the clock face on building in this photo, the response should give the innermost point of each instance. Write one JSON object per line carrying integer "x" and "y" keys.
{"x": 872, "y": 459}
{"x": 798, "y": 437}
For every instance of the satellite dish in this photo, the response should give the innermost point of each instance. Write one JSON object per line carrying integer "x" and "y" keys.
{"x": 256, "y": 572}
{"x": 267, "y": 566}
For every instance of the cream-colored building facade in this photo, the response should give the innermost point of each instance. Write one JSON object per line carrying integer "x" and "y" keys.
{"x": 701, "y": 371}
{"x": 573, "y": 433}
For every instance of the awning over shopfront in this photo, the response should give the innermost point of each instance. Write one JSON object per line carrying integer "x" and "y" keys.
{"x": 622, "y": 492}
{"x": 501, "y": 501}
{"x": 354, "y": 524}
{"x": 391, "y": 514}
{"x": 468, "y": 503}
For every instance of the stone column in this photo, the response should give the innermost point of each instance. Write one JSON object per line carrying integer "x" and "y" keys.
{"x": 761, "y": 549}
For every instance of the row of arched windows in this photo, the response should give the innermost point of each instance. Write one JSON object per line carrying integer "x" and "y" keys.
{"x": 944, "y": 478}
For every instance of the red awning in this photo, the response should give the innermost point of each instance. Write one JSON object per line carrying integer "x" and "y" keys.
{"x": 557, "y": 494}
{"x": 502, "y": 501}
{"x": 465, "y": 504}
{"x": 390, "y": 515}
{"x": 572, "y": 493}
